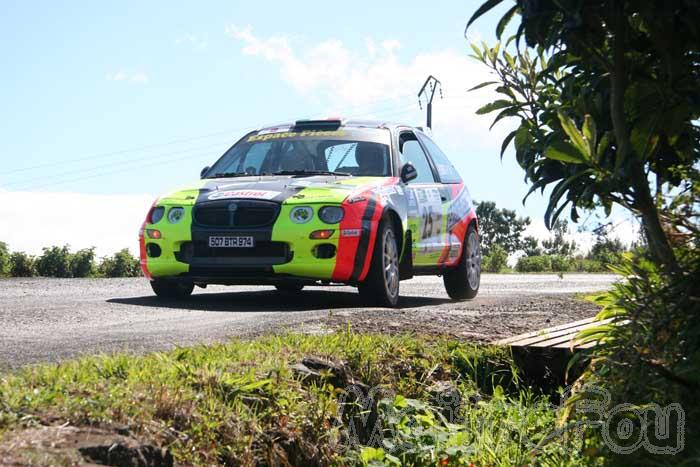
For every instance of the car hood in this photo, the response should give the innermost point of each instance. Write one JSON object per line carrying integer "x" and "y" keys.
{"x": 287, "y": 189}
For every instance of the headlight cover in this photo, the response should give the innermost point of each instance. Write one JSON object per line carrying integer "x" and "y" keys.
{"x": 156, "y": 214}
{"x": 175, "y": 215}
{"x": 331, "y": 214}
{"x": 301, "y": 214}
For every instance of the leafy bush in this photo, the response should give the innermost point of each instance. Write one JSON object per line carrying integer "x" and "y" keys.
{"x": 22, "y": 265}
{"x": 82, "y": 263}
{"x": 534, "y": 264}
{"x": 588, "y": 265}
{"x": 650, "y": 351}
{"x": 121, "y": 264}
{"x": 4, "y": 259}
{"x": 497, "y": 260}
{"x": 561, "y": 263}
{"x": 55, "y": 262}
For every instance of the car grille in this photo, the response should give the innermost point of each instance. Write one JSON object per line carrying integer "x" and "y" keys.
{"x": 239, "y": 214}
{"x": 264, "y": 253}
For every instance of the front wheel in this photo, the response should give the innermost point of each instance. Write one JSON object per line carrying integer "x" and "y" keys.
{"x": 463, "y": 281}
{"x": 381, "y": 286}
{"x": 171, "y": 289}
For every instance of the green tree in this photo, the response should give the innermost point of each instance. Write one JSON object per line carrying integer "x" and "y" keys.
{"x": 531, "y": 246}
{"x": 499, "y": 227}
{"x": 82, "y": 263}
{"x": 22, "y": 265}
{"x": 497, "y": 259}
{"x": 606, "y": 250}
{"x": 55, "y": 262}
{"x": 606, "y": 94}
{"x": 558, "y": 245}
{"x": 4, "y": 259}
{"x": 121, "y": 264}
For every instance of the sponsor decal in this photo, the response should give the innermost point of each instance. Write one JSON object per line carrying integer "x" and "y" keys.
{"x": 257, "y": 194}
{"x": 458, "y": 209}
{"x": 350, "y": 232}
{"x": 261, "y": 136}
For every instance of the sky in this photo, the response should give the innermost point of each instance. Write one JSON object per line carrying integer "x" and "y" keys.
{"x": 104, "y": 106}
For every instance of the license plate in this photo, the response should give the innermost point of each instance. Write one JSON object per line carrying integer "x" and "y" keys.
{"x": 231, "y": 242}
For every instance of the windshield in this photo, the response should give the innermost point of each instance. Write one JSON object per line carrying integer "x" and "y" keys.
{"x": 360, "y": 152}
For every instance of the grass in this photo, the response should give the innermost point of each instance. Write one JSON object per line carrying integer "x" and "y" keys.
{"x": 241, "y": 403}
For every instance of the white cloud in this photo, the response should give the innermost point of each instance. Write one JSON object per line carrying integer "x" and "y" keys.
{"x": 195, "y": 41}
{"x": 32, "y": 220}
{"x": 135, "y": 77}
{"x": 378, "y": 81}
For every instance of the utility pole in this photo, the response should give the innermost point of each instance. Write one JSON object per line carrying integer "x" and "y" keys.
{"x": 428, "y": 91}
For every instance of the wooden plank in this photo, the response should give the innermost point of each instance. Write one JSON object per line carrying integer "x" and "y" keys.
{"x": 561, "y": 337}
{"x": 509, "y": 340}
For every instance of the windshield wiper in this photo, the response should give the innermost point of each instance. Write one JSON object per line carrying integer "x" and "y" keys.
{"x": 310, "y": 172}
{"x": 229, "y": 175}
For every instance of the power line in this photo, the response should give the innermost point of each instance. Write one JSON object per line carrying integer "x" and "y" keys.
{"x": 57, "y": 180}
{"x": 121, "y": 151}
{"x": 158, "y": 156}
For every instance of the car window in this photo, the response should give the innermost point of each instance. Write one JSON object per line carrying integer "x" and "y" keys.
{"x": 358, "y": 158}
{"x": 411, "y": 151}
{"x": 445, "y": 169}
{"x": 254, "y": 158}
{"x": 355, "y": 152}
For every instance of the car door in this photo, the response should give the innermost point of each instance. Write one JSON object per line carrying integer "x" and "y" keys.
{"x": 458, "y": 208}
{"x": 424, "y": 199}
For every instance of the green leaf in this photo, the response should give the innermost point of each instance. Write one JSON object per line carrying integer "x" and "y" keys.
{"x": 486, "y": 6}
{"x": 369, "y": 454}
{"x": 495, "y": 105}
{"x": 574, "y": 135}
{"x": 589, "y": 132}
{"x": 505, "y": 19}
{"x": 522, "y": 137}
{"x": 603, "y": 146}
{"x": 565, "y": 152}
{"x": 483, "y": 85}
{"x": 513, "y": 112}
{"x": 643, "y": 142}
{"x": 507, "y": 141}
{"x": 477, "y": 51}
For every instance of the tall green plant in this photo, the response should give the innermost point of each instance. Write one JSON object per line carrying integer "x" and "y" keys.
{"x": 606, "y": 93}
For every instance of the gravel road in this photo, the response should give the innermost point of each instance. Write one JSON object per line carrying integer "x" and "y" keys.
{"x": 47, "y": 320}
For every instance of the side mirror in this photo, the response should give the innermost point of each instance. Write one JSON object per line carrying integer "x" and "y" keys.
{"x": 204, "y": 171}
{"x": 408, "y": 172}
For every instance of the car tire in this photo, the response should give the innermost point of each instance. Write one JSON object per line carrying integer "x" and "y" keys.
{"x": 381, "y": 286}
{"x": 289, "y": 288}
{"x": 463, "y": 281}
{"x": 172, "y": 290}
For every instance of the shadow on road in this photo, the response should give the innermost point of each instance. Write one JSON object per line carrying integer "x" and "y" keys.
{"x": 271, "y": 301}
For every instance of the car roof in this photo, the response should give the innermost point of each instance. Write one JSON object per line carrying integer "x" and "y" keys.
{"x": 351, "y": 124}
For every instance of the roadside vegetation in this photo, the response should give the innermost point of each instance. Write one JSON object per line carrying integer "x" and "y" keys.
{"x": 606, "y": 98}
{"x": 267, "y": 401}
{"x": 62, "y": 262}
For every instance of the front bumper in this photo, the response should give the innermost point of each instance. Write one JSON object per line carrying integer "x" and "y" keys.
{"x": 282, "y": 252}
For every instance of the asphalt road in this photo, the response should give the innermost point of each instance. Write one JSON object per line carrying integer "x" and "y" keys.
{"x": 47, "y": 320}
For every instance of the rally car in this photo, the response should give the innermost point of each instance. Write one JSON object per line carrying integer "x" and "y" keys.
{"x": 318, "y": 202}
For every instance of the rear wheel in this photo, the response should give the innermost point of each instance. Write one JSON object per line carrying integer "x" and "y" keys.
{"x": 463, "y": 281}
{"x": 172, "y": 290}
{"x": 289, "y": 288}
{"x": 381, "y": 286}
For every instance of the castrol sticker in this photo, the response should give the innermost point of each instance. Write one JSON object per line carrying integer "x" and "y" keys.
{"x": 256, "y": 194}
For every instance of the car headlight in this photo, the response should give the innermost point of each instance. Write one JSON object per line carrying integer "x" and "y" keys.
{"x": 175, "y": 215}
{"x": 331, "y": 214}
{"x": 301, "y": 214}
{"x": 156, "y": 214}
